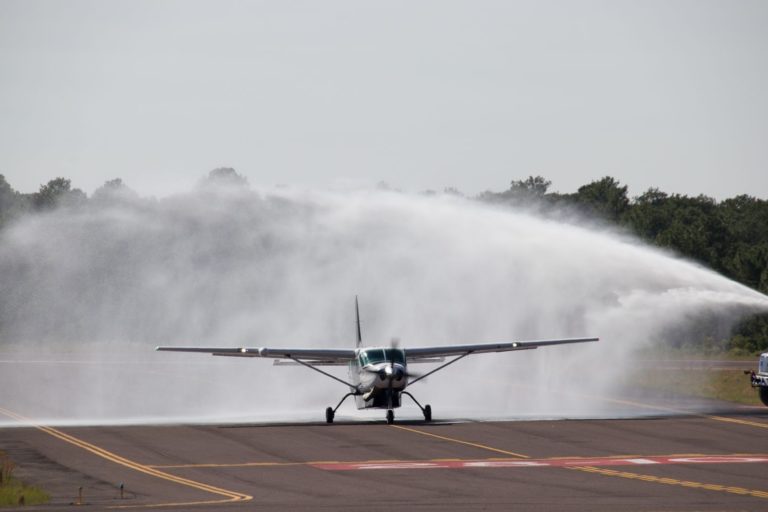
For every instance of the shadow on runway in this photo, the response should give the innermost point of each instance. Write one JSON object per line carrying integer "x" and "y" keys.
{"x": 725, "y": 410}
{"x": 360, "y": 422}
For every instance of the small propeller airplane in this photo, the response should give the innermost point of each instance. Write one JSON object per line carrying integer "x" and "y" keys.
{"x": 378, "y": 376}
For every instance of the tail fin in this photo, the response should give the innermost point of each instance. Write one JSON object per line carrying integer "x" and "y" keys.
{"x": 357, "y": 316}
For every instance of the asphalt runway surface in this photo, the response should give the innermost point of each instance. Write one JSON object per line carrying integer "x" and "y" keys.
{"x": 701, "y": 461}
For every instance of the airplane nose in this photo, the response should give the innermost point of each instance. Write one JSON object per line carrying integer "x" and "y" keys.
{"x": 390, "y": 372}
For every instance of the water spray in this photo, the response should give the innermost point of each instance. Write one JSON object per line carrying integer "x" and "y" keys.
{"x": 88, "y": 293}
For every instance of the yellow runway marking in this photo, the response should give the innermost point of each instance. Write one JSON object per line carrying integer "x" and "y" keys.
{"x": 459, "y": 441}
{"x": 231, "y": 496}
{"x": 673, "y": 481}
{"x": 237, "y": 465}
{"x": 738, "y": 421}
{"x": 611, "y": 472}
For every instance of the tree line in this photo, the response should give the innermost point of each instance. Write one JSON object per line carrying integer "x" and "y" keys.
{"x": 729, "y": 236}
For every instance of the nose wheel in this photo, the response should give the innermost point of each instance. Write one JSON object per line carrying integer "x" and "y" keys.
{"x": 390, "y": 417}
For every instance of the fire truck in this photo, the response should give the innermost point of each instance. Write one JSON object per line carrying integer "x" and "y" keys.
{"x": 759, "y": 380}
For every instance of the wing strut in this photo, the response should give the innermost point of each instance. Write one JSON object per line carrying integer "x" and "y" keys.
{"x": 318, "y": 370}
{"x": 414, "y": 381}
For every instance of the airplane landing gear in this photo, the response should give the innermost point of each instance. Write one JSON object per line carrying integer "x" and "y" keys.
{"x": 330, "y": 412}
{"x": 390, "y": 417}
{"x": 426, "y": 410}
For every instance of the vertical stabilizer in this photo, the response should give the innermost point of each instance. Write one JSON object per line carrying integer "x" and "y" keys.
{"x": 357, "y": 318}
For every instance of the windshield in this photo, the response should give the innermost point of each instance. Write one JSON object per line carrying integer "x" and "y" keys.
{"x": 382, "y": 355}
{"x": 763, "y": 366}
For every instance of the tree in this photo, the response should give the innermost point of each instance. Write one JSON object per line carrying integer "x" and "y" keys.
{"x": 7, "y": 194}
{"x": 12, "y": 204}
{"x": 604, "y": 198}
{"x": 226, "y": 176}
{"x": 521, "y": 192}
{"x": 113, "y": 190}
{"x": 453, "y": 191}
{"x": 115, "y": 184}
{"x": 531, "y": 186}
{"x": 751, "y": 335}
{"x": 746, "y": 218}
{"x": 649, "y": 215}
{"x": 749, "y": 265}
{"x": 57, "y": 192}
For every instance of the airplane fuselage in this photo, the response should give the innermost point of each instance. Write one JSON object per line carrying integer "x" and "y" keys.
{"x": 379, "y": 375}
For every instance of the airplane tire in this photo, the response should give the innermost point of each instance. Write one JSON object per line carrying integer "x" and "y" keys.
{"x": 329, "y": 414}
{"x": 427, "y": 412}
{"x": 390, "y": 417}
{"x": 764, "y": 395}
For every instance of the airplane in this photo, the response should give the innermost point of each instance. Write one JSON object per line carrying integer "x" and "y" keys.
{"x": 378, "y": 376}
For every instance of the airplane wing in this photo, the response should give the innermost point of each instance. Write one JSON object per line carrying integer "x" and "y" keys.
{"x": 342, "y": 355}
{"x": 480, "y": 348}
{"x": 326, "y": 355}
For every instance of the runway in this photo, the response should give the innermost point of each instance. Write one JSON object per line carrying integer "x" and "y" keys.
{"x": 695, "y": 462}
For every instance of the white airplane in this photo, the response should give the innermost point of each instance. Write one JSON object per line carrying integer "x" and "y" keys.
{"x": 378, "y": 376}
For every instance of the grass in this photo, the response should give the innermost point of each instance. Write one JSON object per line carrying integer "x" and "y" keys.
{"x": 14, "y": 492}
{"x": 726, "y": 384}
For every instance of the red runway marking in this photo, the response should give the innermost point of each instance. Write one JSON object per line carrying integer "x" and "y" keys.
{"x": 541, "y": 463}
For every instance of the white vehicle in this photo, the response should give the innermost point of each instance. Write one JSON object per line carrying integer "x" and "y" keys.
{"x": 378, "y": 376}
{"x": 759, "y": 380}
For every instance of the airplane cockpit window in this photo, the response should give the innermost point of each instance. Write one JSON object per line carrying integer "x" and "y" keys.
{"x": 382, "y": 355}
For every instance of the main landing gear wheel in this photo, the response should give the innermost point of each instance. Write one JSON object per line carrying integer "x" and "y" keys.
{"x": 764, "y": 395}
{"x": 390, "y": 417}
{"x": 427, "y": 413}
{"x": 329, "y": 414}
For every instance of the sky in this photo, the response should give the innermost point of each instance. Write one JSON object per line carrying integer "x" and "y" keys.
{"x": 417, "y": 94}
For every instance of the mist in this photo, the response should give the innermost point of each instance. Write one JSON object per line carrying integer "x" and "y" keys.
{"x": 88, "y": 292}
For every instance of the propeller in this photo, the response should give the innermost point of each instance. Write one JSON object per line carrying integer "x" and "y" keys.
{"x": 392, "y": 377}
{"x": 395, "y": 343}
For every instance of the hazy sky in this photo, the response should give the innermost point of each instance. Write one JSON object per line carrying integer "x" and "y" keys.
{"x": 420, "y": 94}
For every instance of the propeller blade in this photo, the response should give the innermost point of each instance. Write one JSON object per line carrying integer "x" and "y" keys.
{"x": 382, "y": 374}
